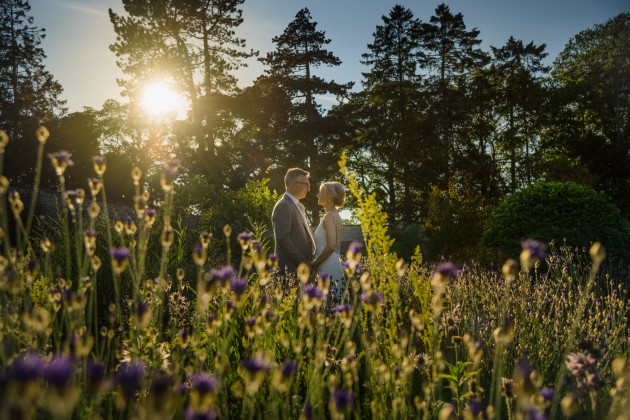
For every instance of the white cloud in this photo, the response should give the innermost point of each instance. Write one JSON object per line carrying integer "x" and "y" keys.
{"x": 80, "y": 7}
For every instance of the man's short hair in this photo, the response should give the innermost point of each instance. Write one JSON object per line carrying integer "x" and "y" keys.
{"x": 293, "y": 174}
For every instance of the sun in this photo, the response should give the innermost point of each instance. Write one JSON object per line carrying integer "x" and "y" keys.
{"x": 159, "y": 98}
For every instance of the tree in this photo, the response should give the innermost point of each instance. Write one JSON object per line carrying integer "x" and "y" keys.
{"x": 193, "y": 43}
{"x": 388, "y": 116}
{"x": 590, "y": 127}
{"x": 450, "y": 57}
{"x": 300, "y": 49}
{"x": 518, "y": 70}
{"x": 29, "y": 94}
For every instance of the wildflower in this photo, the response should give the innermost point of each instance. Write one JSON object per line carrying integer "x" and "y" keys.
{"x": 443, "y": 273}
{"x": 4, "y": 184}
{"x": 37, "y": 318}
{"x": 199, "y": 254}
{"x": 161, "y": 397}
{"x": 120, "y": 258}
{"x": 143, "y": 315}
{"x": 128, "y": 382}
{"x": 597, "y": 252}
{"x": 282, "y": 377}
{"x": 42, "y": 134}
{"x": 27, "y": 369}
{"x": 89, "y": 240}
{"x": 340, "y": 401}
{"x": 167, "y": 236}
{"x": 570, "y": 405}
{"x": 450, "y": 319}
{"x": 95, "y": 375}
{"x": 354, "y": 251}
{"x": 272, "y": 261}
{"x": 223, "y": 274}
{"x": 100, "y": 164}
{"x": 16, "y": 203}
{"x": 255, "y": 370}
{"x": 372, "y": 298}
{"x": 579, "y": 363}
{"x": 227, "y": 230}
{"x": 31, "y": 271}
{"x": 136, "y": 174}
{"x": 244, "y": 238}
{"x": 183, "y": 338}
{"x": 204, "y": 238}
{"x": 507, "y": 387}
{"x": 547, "y": 393}
{"x": 96, "y": 263}
{"x": 312, "y": 296}
{"x": 510, "y": 270}
{"x": 60, "y": 161}
{"x": 130, "y": 226}
{"x": 505, "y": 332}
{"x": 4, "y": 140}
{"x": 95, "y": 185}
{"x": 344, "y": 313}
{"x": 169, "y": 173}
{"x": 94, "y": 210}
{"x": 59, "y": 372}
{"x": 149, "y": 216}
{"x": 239, "y": 289}
{"x": 532, "y": 252}
{"x": 202, "y": 392}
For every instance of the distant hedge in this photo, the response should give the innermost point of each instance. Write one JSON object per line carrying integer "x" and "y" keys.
{"x": 563, "y": 212}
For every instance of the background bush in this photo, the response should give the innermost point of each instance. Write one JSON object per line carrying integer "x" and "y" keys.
{"x": 562, "y": 212}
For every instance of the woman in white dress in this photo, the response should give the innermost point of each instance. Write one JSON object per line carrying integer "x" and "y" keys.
{"x": 331, "y": 196}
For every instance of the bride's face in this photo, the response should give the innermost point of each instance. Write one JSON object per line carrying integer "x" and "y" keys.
{"x": 321, "y": 196}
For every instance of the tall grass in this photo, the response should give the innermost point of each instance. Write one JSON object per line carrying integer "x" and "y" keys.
{"x": 125, "y": 318}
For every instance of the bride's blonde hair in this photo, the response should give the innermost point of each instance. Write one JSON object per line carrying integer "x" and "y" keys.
{"x": 335, "y": 192}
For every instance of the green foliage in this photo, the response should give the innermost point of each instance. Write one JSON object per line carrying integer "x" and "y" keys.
{"x": 454, "y": 222}
{"x": 245, "y": 210}
{"x": 566, "y": 213}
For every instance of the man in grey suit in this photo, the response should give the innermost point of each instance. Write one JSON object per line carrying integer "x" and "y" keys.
{"x": 293, "y": 237}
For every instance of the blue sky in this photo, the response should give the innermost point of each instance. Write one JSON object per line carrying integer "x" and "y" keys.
{"x": 78, "y": 33}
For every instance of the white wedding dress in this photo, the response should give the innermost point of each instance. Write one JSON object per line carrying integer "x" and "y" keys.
{"x": 331, "y": 265}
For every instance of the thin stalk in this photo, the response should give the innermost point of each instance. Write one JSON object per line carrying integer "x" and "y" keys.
{"x": 38, "y": 173}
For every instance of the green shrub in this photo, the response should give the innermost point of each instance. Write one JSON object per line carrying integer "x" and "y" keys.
{"x": 566, "y": 213}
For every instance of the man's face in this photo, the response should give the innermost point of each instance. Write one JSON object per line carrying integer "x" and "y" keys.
{"x": 301, "y": 187}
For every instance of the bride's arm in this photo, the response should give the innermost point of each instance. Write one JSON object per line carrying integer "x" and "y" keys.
{"x": 331, "y": 240}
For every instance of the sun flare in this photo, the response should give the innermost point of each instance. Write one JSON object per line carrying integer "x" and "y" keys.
{"x": 160, "y": 98}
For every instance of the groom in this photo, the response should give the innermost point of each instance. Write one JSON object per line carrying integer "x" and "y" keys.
{"x": 294, "y": 241}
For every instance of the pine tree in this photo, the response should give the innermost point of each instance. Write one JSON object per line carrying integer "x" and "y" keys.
{"x": 29, "y": 95}
{"x": 300, "y": 50}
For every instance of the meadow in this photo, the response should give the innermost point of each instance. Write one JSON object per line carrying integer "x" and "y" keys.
{"x": 126, "y": 318}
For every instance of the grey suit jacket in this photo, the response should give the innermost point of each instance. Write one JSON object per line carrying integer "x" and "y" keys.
{"x": 294, "y": 244}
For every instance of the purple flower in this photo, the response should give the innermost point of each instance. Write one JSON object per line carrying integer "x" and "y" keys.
{"x": 273, "y": 258}
{"x": 313, "y": 292}
{"x": 342, "y": 399}
{"x": 448, "y": 269}
{"x": 256, "y": 365}
{"x": 90, "y": 233}
{"x": 191, "y": 414}
{"x": 536, "y": 249}
{"x": 343, "y": 309}
{"x": 547, "y": 393}
{"x": 323, "y": 276}
{"x": 356, "y": 247}
{"x": 223, "y": 274}
{"x": 371, "y": 297}
{"x": 94, "y": 374}
{"x": 142, "y": 309}
{"x": 151, "y": 212}
{"x": 204, "y": 383}
{"x": 162, "y": 385}
{"x": 251, "y": 321}
{"x": 61, "y": 158}
{"x": 119, "y": 254}
{"x": 59, "y": 372}
{"x": 475, "y": 407}
{"x": 129, "y": 379}
{"x": 99, "y": 160}
{"x": 238, "y": 285}
{"x": 288, "y": 368}
{"x": 26, "y": 369}
{"x": 244, "y": 237}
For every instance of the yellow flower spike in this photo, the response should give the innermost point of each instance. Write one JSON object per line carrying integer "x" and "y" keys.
{"x": 4, "y": 184}
{"x": 96, "y": 263}
{"x": 4, "y": 140}
{"x": 167, "y": 236}
{"x": 100, "y": 164}
{"x": 227, "y": 230}
{"x": 510, "y": 270}
{"x": 16, "y": 203}
{"x": 597, "y": 252}
{"x": 95, "y": 186}
{"x": 42, "y": 134}
{"x": 119, "y": 226}
{"x": 46, "y": 245}
{"x": 303, "y": 272}
{"x": 180, "y": 274}
{"x": 136, "y": 174}
{"x": 94, "y": 210}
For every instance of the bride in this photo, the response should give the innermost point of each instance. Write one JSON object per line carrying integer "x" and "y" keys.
{"x": 331, "y": 196}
